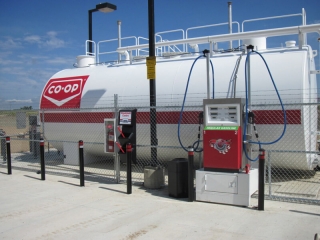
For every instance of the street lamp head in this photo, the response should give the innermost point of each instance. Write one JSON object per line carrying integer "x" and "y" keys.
{"x": 106, "y": 7}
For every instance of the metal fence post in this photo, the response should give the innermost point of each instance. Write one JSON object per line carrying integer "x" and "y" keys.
{"x": 81, "y": 163}
{"x": 269, "y": 173}
{"x": 43, "y": 171}
{"x": 116, "y": 156}
{"x": 190, "y": 174}
{"x": 261, "y": 179}
{"x": 8, "y": 155}
{"x": 129, "y": 162}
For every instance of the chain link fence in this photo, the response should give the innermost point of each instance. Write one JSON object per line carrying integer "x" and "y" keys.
{"x": 291, "y": 173}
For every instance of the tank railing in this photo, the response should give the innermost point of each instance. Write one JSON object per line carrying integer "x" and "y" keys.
{"x": 303, "y": 15}
{"x": 93, "y": 48}
{"x": 170, "y": 48}
{"x": 140, "y": 49}
{"x": 234, "y": 36}
{"x": 215, "y": 45}
{"x": 171, "y": 31}
{"x": 159, "y": 50}
{"x": 112, "y": 40}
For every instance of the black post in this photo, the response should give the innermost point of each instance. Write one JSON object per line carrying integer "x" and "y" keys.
{"x": 90, "y": 29}
{"x": 152, "y": 84}
{"x": 43, "y": 171}
{"x": 81, "y": 163}
{"x": 8, "y": 155}
{"x": 129, "y": 162}
{"x": 190, "y": 174}
{"x": 261, "y": 179}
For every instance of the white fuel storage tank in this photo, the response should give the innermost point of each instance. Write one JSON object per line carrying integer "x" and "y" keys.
{"x": 72, "y": 98}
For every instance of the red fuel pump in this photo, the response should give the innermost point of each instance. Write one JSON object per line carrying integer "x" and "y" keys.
{"x": 222, "y": 135}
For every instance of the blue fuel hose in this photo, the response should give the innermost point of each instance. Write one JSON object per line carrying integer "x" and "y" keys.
{"x": 196, "y": 143}
{"x": 246, "y": 115}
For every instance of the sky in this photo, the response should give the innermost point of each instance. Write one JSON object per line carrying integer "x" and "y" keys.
{"x": 41, "y": 37}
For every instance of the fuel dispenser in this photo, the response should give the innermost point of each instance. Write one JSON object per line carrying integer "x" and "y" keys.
{"x": 128, "y": 133}
{"x": 225, "y": 177}
{"x": 222, "y": 135}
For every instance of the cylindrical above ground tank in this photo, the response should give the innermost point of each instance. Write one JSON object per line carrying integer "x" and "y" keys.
{"x": 88, "y": 89}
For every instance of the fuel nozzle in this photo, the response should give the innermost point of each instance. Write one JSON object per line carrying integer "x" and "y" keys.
{"x": 250, "y": 117}
{"x": 201, "y": 118}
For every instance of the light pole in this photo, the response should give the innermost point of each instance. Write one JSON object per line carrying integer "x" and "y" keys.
{"x": 152, "y": 86}
{"x": 102, "y": 7}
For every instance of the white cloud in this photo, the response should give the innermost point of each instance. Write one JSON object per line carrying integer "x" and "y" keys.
{"x": 10, "y": 43}
{"x": 4, "y": 61}
{"x": 49, "y": 40}
{"x": 59, "y": 60}
{"x": 14, "y": 70}
{"x": 52, "y": 34}
{"x": 53, "y": 41}
{"x": 33, "y": 39}
{"x": 20, "y": 101}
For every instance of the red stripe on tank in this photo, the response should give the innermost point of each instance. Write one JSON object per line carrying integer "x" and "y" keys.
{"x": 168, "y": 117}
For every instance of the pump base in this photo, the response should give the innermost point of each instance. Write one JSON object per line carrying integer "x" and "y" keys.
{"x": 222, "y": 170}
{"x": 226, "y": 188}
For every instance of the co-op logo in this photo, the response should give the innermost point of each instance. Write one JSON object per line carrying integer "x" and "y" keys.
{"x": 61, "y": 91}
{"x": 57, "y": 89}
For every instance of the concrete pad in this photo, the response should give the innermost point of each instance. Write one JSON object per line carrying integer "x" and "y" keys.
{"x": 59, "y": 209}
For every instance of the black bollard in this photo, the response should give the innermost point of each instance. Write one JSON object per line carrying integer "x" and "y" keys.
{"x": 8, "y": 155}
{"x": 261, "y": 179}
{"x": 81, "y": 163}
{"x": 43, "y": 171}
{"x": 190, "y": 174}
{"x": 129, "y": 168}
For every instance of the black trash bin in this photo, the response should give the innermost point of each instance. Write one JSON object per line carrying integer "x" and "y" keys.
{"x": 178, "y": 178}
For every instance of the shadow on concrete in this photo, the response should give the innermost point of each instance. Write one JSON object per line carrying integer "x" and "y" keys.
{"x": 73, "y": 184}
{"x": 295, "y": 211}
{"x": 33, "y": 177}
{"x": 114, "y": 190}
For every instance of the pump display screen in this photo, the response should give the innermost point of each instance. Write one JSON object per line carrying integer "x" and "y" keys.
{"x": 125, "y": 118}
{"x": 222, "y": 115}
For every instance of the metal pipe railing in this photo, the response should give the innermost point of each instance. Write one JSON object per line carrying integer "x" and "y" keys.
{"x": 275, "y": 17}
{"x": 235, "y": 36}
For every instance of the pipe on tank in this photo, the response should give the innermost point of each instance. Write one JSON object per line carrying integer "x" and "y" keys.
{"x": 126, "y": 54}
{"x": 195, "y": 47}
{"x": 304, "y": 22}
{"x": 230, "y": 21}
{"x": 119, "y": 39}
